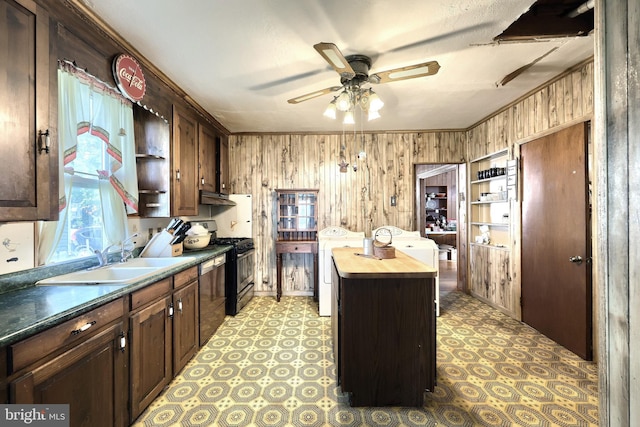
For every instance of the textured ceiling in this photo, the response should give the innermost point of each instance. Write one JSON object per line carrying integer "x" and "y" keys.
{"x": 242, "y": 60}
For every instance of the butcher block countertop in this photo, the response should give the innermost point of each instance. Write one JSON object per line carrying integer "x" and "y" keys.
{"x": 352, "y": 266}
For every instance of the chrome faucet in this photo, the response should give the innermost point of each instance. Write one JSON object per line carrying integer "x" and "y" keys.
{"x": 125, "y": 254}
{"x": 103, "y": 255}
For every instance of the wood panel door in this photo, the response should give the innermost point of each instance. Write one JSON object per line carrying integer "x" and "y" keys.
{"x": 556, "y": 292}
{"x": 207, "y": 159}
{"x": 185, "y": 325}
{"x": 29, "y": 187}
{"x": 185, "y": 164}
{"x": 223, "y": 164}
{"x": 151, "y": 344}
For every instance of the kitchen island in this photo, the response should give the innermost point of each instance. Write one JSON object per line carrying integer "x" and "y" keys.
{"x": 384, "y": 328}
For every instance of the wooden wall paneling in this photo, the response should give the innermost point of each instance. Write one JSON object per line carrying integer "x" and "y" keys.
{"x": 491, "y": 279}
{"x": 360, "y": 205}
{"x": 491, "y": 134}
{"x": 587, "y": 90}
{"x": 552, "y": 113}
{"x": 567, "y": 99}
{"x": 324, "y": 182}
{"x": 418, "y": 148}
{"x": 542, "y": 116}
{"x": 524, "y": 112}
{"x": 368, "y": 192}
{"x": 462, "y": 239}
{"x": 576, "y": 101}
{"x": 402, "y": 184}
{"x": 270, "y": 150}
{"x": 391, "y": 185}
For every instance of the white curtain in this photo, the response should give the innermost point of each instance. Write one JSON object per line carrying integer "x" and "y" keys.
{"x": 88, "y": 106}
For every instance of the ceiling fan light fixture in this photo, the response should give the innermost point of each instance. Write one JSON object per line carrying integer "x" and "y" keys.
{"x": 373, "y": 115}
{"x": 375, "y": 103}
{"x": 331, "y": 110}
{"x": 348, "y": 118}
{"x": 343, "y": 102}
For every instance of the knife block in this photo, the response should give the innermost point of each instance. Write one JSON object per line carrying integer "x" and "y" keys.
{"x": 160, "y": 246}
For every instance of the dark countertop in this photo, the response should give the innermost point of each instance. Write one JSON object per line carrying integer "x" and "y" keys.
{"x": 27, "y": 309}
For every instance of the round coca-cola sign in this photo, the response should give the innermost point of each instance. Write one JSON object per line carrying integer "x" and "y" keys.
{"x": 129, "y": 77}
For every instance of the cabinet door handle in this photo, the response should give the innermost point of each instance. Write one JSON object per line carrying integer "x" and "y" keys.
{"x": 83, "y": 328}
{"x": 177, "y": 174}
{"x": 44, "y": 141}
{"x": 180, "y": 306}
{"x": 123, "y": 342}
{"x": 202, "y": 180}
{"x": 171, "y": 310}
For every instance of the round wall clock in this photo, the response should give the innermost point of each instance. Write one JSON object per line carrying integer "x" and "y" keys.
{"x": 129, "y": 77}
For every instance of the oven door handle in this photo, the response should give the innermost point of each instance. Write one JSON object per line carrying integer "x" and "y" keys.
{"x": 245, "y": 254}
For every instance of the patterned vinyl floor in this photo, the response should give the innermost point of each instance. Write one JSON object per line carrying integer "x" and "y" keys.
{"x": 272, "y": 365}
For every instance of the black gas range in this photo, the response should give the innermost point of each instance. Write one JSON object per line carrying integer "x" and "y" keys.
{"x": 239, "y": 282}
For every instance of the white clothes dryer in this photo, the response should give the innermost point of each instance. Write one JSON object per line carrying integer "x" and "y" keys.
{"x": 423, "y": 249}
{"x": 329, "y": 238}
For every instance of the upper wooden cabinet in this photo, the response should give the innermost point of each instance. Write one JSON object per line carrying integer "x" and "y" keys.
{"x": 208, "y": 152}
{"x": 223, "y": 165}
{"x": 184, "y": 177}
{"x": 31, "y": 188}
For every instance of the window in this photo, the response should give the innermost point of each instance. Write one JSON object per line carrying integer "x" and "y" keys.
{"x": 83, "y": 232}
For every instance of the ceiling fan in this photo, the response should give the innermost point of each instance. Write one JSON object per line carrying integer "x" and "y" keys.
{"x": 354, "y": 71}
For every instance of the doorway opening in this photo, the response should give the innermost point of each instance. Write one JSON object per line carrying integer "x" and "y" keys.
{"x": 437, "y": 217}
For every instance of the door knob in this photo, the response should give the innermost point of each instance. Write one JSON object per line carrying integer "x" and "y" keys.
{"x": 576, "y": 259}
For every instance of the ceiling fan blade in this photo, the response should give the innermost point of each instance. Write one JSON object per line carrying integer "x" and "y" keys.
{"x": 336, "y": 59}
{"x": 522, "y": 69}
{"x": 311, "y": 95}
{"x": 409, "y": 72}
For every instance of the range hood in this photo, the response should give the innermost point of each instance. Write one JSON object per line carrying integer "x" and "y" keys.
{"x": 212, "y": 198}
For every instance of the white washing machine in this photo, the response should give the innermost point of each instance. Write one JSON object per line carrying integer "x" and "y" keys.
{"x": 329, "y": 238}
{"x": 423, "y": 249}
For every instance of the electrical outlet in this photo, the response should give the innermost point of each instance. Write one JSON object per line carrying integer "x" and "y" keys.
{"x": 393, "y": 200}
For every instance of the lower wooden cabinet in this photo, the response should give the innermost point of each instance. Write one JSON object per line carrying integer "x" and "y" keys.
{"x": 150, "y": 338}
{"x": 90, "y": 375}
{"x": 108, "y": 364}
{"x": 164, "y": 335}
{"x": 185, "y": 325}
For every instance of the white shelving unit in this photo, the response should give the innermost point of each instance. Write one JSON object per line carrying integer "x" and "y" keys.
{"x": 489, "y": 204}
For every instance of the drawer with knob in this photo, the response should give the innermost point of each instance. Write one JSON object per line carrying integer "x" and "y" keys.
{"x": 34, "y": 348}
{"x": 303, "y": 247}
